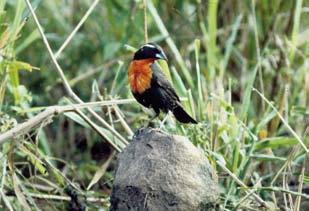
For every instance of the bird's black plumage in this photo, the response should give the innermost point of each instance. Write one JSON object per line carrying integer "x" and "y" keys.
{"x": 149, "y": 50}
{"x": 160, "y": 96}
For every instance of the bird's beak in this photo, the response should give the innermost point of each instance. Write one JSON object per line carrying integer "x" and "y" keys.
{"x": 161, "y": 56}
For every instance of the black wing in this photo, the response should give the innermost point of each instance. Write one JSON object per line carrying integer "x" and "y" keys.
{"x": 168, "y": 96}
{"x": 159, "y": 79}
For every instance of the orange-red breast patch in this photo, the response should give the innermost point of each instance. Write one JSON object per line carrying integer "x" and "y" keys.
{"x": 140, "y": 75}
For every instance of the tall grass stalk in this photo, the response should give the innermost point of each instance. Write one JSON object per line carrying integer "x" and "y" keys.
{"x": 295, "y": 30}
{"x": 229, "y": 45}
{"x": 218, "y": 49}
{"x": 258, "y": 53}
{"x": 212, "y": 37}
{"x": 200, "y": 102}
{"x": 171, "y": 43}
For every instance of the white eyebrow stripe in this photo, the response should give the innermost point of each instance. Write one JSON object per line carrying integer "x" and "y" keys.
{"x": 149, "y": 45}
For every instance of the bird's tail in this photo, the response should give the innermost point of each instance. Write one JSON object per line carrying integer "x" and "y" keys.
{"x": 182, "y": 116}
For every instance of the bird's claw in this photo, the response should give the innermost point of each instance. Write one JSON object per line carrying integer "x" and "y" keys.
{"x": 138, "y": 132}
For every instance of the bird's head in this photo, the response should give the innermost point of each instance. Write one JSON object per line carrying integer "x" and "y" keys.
{"x": 149, "y": 51}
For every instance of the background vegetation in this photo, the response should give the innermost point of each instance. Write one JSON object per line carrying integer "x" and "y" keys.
{"x": 240, "y": 66}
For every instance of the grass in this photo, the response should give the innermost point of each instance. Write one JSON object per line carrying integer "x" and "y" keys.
{"x": 242, "y": 72}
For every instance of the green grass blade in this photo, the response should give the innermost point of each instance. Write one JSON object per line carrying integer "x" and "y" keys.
{"x": 212, "y": 31}
{"x": 170, "y": 43}
{"x": 247, "y": 96}
{"x": 230, "y": 42}
{"x": 295, "y": 31}
{"x": 117, "y": 80}
{"x": 17, "y": 19}
{"x": 276, "y": 142}
{"x": 28, "y": 41}
{"x": 200, "y": 102}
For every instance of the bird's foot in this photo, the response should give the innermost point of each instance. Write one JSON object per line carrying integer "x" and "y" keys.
{"x": 158, "y": 130}
{"x": 163, "y": 121}
{"x": 149, "y": 128}
{"x": 139, "y": 132}
{"x": 145, "y": 131}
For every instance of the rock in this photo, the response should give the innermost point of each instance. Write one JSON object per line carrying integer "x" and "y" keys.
{"x": 163, "y": 172}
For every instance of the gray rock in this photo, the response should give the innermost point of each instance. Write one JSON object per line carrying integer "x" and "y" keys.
{"x": 163, "y": 172}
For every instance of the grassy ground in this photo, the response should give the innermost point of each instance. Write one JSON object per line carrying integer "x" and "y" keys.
{"x": 240, "y": 66}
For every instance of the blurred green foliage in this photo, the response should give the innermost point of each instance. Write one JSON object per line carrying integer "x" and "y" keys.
{"x": 226, "y": 48}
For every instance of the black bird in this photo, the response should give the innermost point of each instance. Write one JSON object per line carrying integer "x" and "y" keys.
{"x": 150, "y": 86}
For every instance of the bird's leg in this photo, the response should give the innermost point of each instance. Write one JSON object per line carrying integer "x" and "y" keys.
{"x": 164, "y": 120}
{"x": 138, "y": 132}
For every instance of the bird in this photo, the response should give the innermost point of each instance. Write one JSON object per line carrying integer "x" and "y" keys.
{"x": 150, "y": 86}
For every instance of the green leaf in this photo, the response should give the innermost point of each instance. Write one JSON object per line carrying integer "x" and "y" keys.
{"x": 179, "y": 85}
{"x": 200, "y": 103}
{"x": 262, "y": 157}
{"x": 13, "y": 69}
{"x": 110, "y": 50}
{"x": 30, "y": 39}
{"x": 2, "y": 89}
{"x": 36, "y": 161}
{"x": 47, "y": 163}
{"x": 299, "y": 111}
{"x": 130, "y": 48}
{"x": 266, "y": 119}
{"x": 4, "y": 38}
{"x": 2, "y": 4}
{"x": 230, "y": 41}
{"x": 95, "y": 89}
{"x": 118, "y": 81}
{"x": 18, "y": 65}
{"x": 275, "y": 142}
{"x": 76, "y": 118}
{"x": 191, "y": 104}
{"x": 100, "y": 172}
{"x": 14, "y": 79}
{"x": 181, "y": 89}
{"x": 247, "y": 96}
{"x": 19, "y": 194}
{"x": 17, "y": 23}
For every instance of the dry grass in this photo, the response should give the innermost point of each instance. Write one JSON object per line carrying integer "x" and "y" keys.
{"x": 241, "y": 68}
